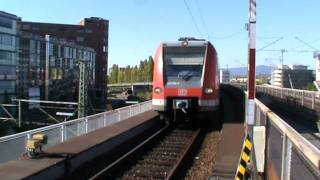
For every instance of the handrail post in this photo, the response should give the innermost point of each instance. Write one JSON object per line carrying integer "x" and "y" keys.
{"x": 62, "y": 133}
{"x": 86, "y": 125}
{"x": 258, "y": 116}
{"x": 119, "y": 115}
{"x": 104, "y": 120}
{"x": 130, "y": 111}
{"x": 19, "y": 114}
{"x": 313, "y": 99}
{"x": 286, "y": 158}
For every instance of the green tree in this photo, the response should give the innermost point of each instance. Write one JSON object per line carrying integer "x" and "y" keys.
{"x": 134, "y": 74}
{"x": 114, "y": 74}
{"x": 141, "y": 73}
{"x": 310, "y": 87}
{"x": 127, "y": 73}
{"x": 149, "y": 69}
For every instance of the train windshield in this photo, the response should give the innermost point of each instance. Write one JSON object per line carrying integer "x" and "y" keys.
{"x": 184, "y": 66}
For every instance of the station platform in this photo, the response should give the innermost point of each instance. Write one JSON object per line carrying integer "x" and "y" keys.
{"x": 63, "y": 159}
{"x": 229, "y": 151}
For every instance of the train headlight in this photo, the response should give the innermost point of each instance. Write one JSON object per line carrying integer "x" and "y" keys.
{"x": 184, "y": 43}
{"x": 157, "y": 90}
{"x": 208, "y": 91}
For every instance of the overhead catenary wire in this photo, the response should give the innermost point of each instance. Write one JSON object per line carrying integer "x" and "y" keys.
{"x": 273, "y": 42}
{"x": 230, "y": 35}
{"x": 204, "y": 24}
{"x": 192, "y": 18}
{"x": 202, "y": 18}
{"x": 307, "y": 44}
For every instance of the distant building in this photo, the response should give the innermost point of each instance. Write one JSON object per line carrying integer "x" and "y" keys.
{"x": 292, "y": 76}
{"x": 8, "y": 56}
{"x": 224, "y": 76}
{"x": 239, "y": 79}
{"x": 317, "y": 81}
{"x": 91, "y": 32}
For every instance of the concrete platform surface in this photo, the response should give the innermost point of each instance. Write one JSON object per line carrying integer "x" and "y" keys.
{"x": 67, "y": 156}
{"x": 229, "y": 150}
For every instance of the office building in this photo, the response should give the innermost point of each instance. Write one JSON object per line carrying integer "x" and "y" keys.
{"x": 28, "y": 59}
{"x": 292, "y": 76}
{"x": 90, "y": 32}
{"x": 52, "y": 59}
{"x": 8, "y": 57}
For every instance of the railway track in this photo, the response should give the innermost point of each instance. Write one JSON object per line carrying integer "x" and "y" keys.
{"x": 158, "y": 157}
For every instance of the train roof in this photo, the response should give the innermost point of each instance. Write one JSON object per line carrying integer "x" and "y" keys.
{"x": 186, "y": 42}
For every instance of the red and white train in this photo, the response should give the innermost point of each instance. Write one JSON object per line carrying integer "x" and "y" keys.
{"x": 185, "y": 78}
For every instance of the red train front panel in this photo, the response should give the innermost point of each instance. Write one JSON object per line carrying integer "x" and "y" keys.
{"x": 185, "y": 76}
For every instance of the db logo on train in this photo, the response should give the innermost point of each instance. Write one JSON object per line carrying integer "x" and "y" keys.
{"x": 182, "y": 92}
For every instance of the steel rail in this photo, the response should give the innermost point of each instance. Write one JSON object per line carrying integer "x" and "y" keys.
{"x": 101, "y": 173}
{"x": 176, "y": 166}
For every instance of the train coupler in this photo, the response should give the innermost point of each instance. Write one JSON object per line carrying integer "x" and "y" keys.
{"x": 182, "y": 104}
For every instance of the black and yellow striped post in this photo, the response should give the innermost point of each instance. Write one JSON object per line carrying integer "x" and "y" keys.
{"x": 244, "y": 159}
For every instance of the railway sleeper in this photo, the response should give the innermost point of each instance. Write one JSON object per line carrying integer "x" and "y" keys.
{"x": 159, "y": 158}
{"x": 147, "y": 173}
{"x": 153, "y": 165}
{"x": 163, "y": 153}
{"x": 167, "y": 148}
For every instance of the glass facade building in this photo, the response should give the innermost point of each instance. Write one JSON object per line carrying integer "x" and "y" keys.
{"x": 26, "y": 60}
{"x": 8, "y": 56}
{"x": 57, "y": 57}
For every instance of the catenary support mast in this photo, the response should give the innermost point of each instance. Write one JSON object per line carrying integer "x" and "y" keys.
{"x": 252, "y": 63}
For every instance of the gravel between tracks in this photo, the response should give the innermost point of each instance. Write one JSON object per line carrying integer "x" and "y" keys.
{"x": 203, "y": 162}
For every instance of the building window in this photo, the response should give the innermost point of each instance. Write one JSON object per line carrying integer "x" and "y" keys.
{"x": 26, "y": 27}
{"x": 35, "y": 28}
{"x": 32, "y": 46}
{"x": 88, "y": 31}
{"x": 8, "y": 86}
{"x": 6, "y": 58}
{"x": 4, "y": 22}
{"x": 80, "y": 39}
{"x": 7, "y": 70}
{"x": 6, "y": 39}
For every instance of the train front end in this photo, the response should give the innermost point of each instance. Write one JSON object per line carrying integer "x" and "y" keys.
{"x": 185, "y": 78}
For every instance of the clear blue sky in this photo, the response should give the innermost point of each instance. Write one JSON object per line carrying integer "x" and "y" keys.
{"x": 138, "y": 26}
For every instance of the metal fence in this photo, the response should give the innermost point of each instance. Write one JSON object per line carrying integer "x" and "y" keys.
{"x": 288, "y": 154}
{"x": 13, "y": 146}
{"x": 308, "y": 99}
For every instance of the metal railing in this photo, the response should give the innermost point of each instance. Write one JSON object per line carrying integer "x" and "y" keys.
{"x": 13, "y": 146}
{"x": 297, "y": 156}
{"x": 308, "y": 99}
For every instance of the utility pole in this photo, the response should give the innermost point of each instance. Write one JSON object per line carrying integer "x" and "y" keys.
{"x": 250, "y": 108}
{"x": 282, "y": 51}
{"x": 83, "y": 96}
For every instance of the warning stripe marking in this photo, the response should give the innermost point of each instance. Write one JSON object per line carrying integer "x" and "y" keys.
{"x": 244, "y": 160}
